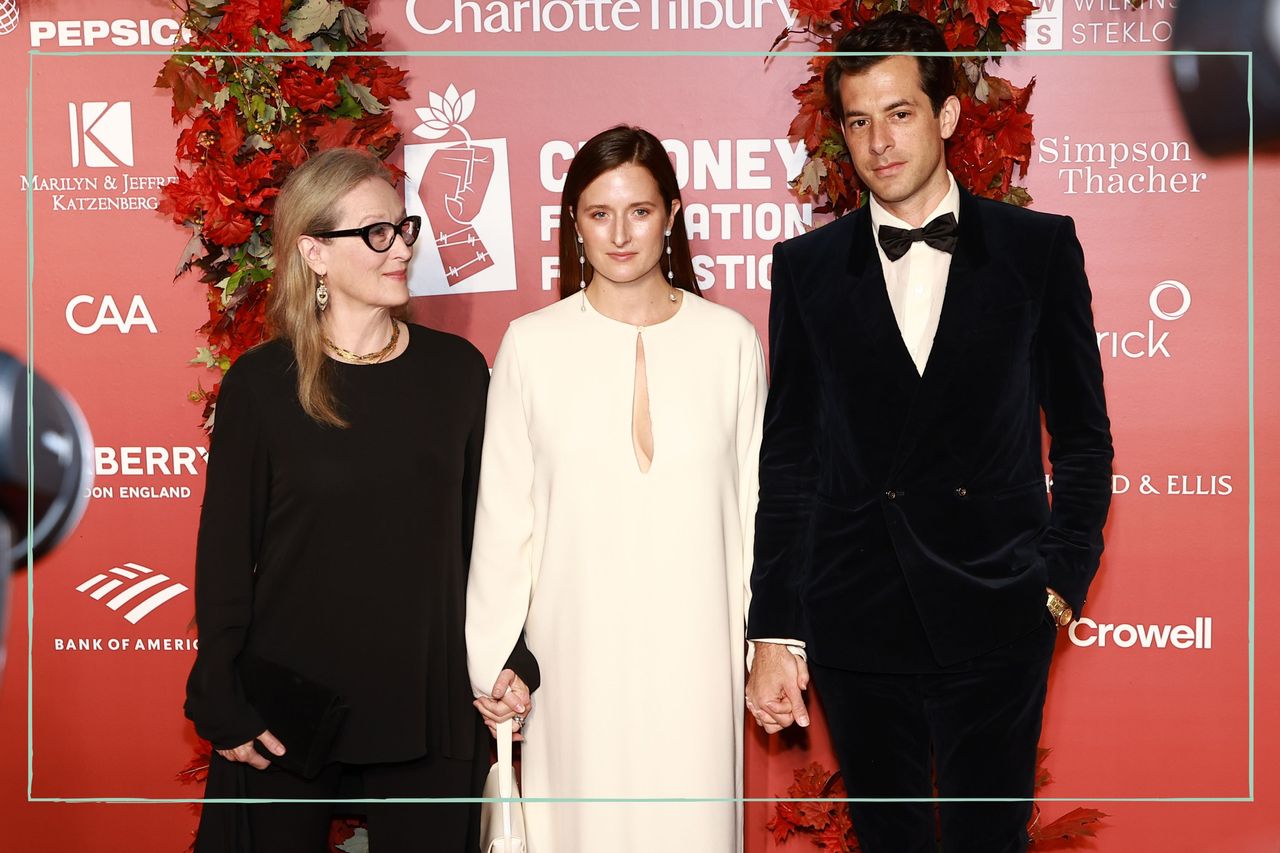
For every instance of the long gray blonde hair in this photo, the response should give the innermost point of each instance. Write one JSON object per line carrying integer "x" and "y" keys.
{"x": 308, "y": 203}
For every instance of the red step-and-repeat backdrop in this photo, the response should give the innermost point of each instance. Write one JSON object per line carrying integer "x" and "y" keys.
{"x": 1162, "y": 697}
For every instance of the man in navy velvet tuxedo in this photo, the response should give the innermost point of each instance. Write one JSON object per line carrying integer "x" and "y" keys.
{"x": 906, "y": 551}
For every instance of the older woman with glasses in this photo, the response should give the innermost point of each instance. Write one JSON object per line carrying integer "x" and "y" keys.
{"x": 334, "y": 541}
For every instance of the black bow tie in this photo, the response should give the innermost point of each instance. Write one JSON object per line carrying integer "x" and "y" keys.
{"x": 939, "y": 233}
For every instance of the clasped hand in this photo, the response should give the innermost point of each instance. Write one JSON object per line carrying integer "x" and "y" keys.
{"x": 509, "y": 698}
{"x": 775, "y": 688}
{"x": 247, "y": 754}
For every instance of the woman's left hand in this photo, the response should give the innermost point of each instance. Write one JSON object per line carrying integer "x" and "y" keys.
{"x": 510, "y": 698}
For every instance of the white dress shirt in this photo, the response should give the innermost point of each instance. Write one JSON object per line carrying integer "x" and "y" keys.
{"x": 917, "y": 281}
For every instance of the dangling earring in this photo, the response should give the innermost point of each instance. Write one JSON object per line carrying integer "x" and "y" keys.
{"x": 671, "y": 275}
{"x": 322, "y": 294}
{"x": 582, "y": 274}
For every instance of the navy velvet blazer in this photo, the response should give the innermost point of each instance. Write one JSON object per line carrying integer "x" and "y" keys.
{"x": 904, "y": 522}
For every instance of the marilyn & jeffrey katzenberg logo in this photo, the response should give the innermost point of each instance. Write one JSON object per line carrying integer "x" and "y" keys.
{"x": 462, "y": 189}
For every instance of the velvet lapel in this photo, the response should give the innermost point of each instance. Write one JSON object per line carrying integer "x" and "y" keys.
{"x": 872, "y": 311}
{"x": 961, "y": 306}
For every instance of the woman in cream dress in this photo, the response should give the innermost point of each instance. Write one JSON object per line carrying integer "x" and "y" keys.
{"x": 614, "y": 527}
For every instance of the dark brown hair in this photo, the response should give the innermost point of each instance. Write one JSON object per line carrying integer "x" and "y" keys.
{"x": 893, "y": 33}
{"x": 604, "y": 152}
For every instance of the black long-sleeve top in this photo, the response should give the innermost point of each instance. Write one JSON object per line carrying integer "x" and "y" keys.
{"x": 342, "y": 553}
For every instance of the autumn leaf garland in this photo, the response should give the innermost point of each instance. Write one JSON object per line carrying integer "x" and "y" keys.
{"x": 248, "y": 120}
{"x": 816, "y": 814}
{"x": 994, "y": 136}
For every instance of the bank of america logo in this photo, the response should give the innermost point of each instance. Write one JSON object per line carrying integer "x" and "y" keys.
{"x": 128, "y": 582}
{"x": 102, "y": 132}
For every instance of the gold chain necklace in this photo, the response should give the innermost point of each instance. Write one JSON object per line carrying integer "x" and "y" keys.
{"x": 373, "y": 357}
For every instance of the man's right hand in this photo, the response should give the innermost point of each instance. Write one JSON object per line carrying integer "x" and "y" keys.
{"x": 776, "y": 686}
{"x": 246, "y": 753}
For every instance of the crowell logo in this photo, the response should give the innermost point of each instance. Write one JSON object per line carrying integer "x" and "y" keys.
{"x": 129, "y": 582}
{"x": 464, "y": 194}
{"x": 103, "y": 132}
{"x": 1198, "y": 635}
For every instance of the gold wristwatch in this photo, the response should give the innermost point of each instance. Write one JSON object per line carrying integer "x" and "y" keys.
{"x": 1058, "y": 608}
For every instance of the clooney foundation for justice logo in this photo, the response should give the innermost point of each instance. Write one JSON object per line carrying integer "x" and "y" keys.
{"x": 461, "y": 188}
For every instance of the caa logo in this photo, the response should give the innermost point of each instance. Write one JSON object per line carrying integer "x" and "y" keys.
{"x": 109, "y": 315}
{"x": 132, "y": 580}
{"x": 464, "y": 196}
{"x": 104, "y": 132}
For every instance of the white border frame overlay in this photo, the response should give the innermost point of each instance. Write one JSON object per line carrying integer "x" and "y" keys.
{"x": 35, "y": 54}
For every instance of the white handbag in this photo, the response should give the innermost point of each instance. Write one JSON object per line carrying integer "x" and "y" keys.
{"x": 502, "y": 824}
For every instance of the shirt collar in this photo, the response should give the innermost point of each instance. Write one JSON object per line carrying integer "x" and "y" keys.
{"x": 950, "y": 204}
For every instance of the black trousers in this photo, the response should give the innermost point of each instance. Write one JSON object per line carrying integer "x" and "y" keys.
{"x": 304, "y": 827}
{"x": 972, "y": 728}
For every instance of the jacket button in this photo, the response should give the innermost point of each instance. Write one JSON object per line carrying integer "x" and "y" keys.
{"x": 961, "y": 492}
{"x": 891, "y": 495}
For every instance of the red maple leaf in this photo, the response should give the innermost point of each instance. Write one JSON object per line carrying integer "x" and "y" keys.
{"x": 810, "y": 780}
{"x": 961, "y": 33}
{"x": 1043, "y": 776}
{"x": 816, "y": 813}
{"x": 983, "y": 9}
{"x": 386, "y": 82}
{"x": 290, "y": 148}
{"x": 377, "y": 132}
{"x": 1014, "y": 137}
{"x": 817, "y": 11}
{"x": 197, "y": 769}
{"x": 248, "y": 321}
{"x": 306, "y": 88}
{"x": 185, "y": 197}
{"x": 189, "y": 86}
{"x": 230, "y": 130}
{"x": 780, "y": 824}
{"x": 1076, "y": 823}
{"x": 226, "y": 226}
{"x": 1013, "y": 22}
{"x": 930, "y": 10}
{"x": 813, "y": 121}
{"x": 241, "y": 17}
{"x": 332, "y": 133}
{"x": 189, "y": 142}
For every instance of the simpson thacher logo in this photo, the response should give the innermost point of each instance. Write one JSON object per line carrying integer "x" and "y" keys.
{"x": 132, "y": 584}
{"x": 462, "y": 190}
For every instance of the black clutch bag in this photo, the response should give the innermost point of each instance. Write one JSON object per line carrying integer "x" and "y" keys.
{"x": 303, "y": 715}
